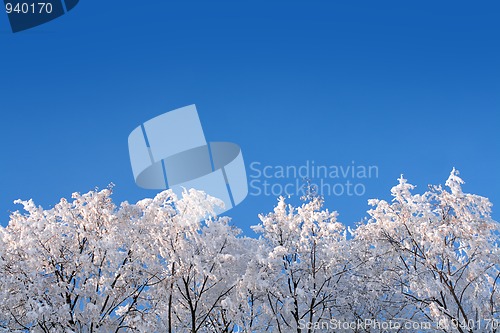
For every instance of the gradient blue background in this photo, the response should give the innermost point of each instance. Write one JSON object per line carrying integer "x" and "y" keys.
{"x": 410, "y": 87}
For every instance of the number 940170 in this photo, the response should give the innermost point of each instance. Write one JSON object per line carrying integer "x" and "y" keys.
{"x": 29, "y": 8}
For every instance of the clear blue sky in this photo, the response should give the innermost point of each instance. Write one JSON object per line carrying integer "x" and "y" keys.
{"x": 411, "y": 87}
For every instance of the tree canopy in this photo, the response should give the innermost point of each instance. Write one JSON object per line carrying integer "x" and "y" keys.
{"x": 421, "y": 262}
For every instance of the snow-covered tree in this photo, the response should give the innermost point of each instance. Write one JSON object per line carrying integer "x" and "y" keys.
{"x": 168, "y": 264}
{"x": 86, "y": 266}
{"x": 298, "y": 267}
{"x": 438, "y": 250}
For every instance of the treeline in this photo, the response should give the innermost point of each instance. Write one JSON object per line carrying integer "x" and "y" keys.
{"x": 422, "y": 262}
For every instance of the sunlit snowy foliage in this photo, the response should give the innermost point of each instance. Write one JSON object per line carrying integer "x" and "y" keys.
{"x": 169, "y": 264}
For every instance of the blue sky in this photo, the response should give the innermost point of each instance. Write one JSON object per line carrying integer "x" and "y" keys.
{"x": 412, "y": 88}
